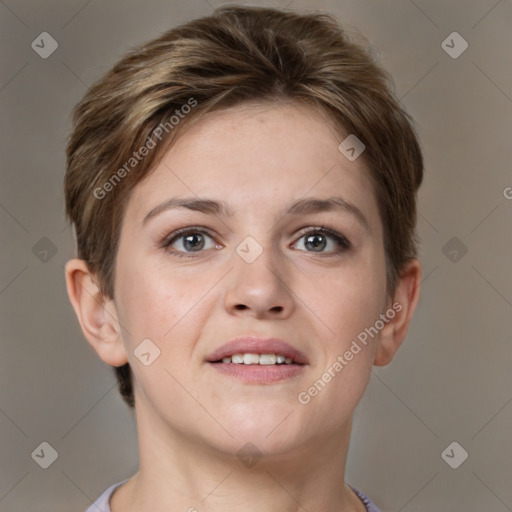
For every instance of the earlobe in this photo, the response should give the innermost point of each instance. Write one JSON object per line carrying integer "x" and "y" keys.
{"x": 404, "y": 303}
{"x": 96, "y": 314}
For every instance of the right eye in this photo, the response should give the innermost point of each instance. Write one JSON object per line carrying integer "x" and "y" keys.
{"x": 188, "y": 241}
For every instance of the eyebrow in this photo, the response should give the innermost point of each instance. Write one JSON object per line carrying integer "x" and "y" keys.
{"x": 303, "y": 206}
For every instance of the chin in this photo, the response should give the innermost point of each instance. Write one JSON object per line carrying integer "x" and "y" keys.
{"x": 254, "y": 443}
{"x": 265, "y": 425}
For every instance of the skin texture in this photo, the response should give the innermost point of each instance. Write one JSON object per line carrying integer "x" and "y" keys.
{"x": 191, "y": 419}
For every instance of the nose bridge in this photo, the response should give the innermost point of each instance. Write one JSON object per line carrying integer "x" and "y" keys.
{"x": 258, "y": 282}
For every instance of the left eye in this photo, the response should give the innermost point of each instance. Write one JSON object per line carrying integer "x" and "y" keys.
{"x": 316, "y": 240}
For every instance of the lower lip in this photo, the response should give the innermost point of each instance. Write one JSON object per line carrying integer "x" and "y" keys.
{"x": 259, "y": 374}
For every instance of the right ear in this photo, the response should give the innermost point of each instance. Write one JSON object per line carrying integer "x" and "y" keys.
{"x": 97, "y": 315}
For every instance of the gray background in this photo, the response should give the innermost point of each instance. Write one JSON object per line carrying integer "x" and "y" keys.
{"x": 450, "y": 381}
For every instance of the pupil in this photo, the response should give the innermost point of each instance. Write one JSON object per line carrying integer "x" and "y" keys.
{"x": 316, "y": 244}
{"x": 193, "y": 246}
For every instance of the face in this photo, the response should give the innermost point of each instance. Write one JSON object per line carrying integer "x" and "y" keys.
{"x": 190, "y": 280}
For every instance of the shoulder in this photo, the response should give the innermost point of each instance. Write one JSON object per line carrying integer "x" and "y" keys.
{"x": 102, "y": 504}
{"x": 368, "y": 503}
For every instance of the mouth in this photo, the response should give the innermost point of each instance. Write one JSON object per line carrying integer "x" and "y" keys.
{"x": 258, "y": 361}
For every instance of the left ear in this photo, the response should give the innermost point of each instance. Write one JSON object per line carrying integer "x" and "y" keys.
{"x": 404, "y": 303}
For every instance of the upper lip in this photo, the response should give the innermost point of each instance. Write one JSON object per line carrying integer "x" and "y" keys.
{"x": 256, "y": 345}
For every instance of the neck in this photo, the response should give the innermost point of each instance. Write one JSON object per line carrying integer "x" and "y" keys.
{"x": 179, "y": 472}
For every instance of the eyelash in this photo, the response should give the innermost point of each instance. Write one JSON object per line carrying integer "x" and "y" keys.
{"x": 343, "y": 244}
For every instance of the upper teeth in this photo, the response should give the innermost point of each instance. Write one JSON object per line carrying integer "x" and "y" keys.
{"x": 257, "y": 359}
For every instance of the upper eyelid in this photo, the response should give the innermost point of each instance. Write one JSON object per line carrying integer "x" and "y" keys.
{"x": 184, "y": 231}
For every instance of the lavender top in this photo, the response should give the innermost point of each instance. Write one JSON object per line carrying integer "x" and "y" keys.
{"x": 102, "y": 504}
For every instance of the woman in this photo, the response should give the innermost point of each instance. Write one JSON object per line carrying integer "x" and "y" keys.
{"x": 243, "y": 194}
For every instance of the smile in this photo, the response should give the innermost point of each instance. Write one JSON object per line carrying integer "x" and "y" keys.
{"x": 262, "y": 359}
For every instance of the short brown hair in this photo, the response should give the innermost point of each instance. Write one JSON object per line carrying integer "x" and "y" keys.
{"x": 236, "y": 55}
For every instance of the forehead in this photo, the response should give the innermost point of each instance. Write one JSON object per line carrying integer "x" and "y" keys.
{"x": 256, "y": 156}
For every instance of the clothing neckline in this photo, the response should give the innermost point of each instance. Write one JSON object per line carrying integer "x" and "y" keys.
{"x": 367, "y": 502}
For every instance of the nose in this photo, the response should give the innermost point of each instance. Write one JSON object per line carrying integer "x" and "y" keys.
{"x": 260, "y": 288}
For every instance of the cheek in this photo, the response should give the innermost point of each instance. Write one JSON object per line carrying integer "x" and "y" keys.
{"x": 348, "y": 299}
{"x": 159, "y": 302}
{"x": 349, "y": 305}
